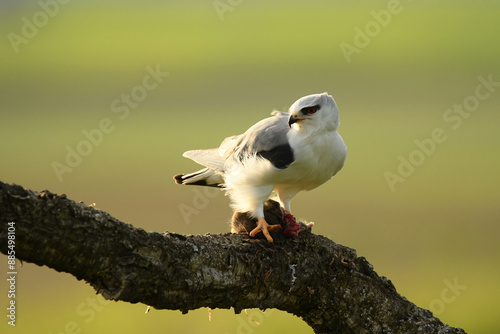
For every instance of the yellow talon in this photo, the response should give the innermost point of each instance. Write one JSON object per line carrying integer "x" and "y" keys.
{"x": 264, "y": 227}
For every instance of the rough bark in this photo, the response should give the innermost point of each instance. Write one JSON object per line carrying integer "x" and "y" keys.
{"x": 326, "y": 284}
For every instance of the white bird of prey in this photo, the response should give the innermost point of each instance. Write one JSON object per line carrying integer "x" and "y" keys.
{"x": 282, "y": 154}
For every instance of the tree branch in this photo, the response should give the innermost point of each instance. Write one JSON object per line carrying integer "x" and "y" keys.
{"x": 322, "y": 282}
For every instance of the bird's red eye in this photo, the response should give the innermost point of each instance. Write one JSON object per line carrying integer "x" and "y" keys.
{"x": 311, "y": 110}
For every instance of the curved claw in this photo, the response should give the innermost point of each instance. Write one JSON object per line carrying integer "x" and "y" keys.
{"x": 264, "y": 227}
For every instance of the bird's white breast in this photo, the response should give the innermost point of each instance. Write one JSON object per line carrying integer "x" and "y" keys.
{"x": 317, "y": 159}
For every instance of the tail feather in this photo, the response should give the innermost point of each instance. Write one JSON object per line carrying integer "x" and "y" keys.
{"x": 204, "y": 177}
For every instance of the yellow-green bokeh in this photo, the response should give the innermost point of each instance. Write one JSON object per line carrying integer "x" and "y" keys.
{"x": 438, "y": 226}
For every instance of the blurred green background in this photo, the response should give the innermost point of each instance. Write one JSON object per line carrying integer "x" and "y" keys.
{"x": 230, "y": 64}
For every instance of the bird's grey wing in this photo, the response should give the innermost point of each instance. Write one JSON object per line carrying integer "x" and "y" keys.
{"x": 267, "y": 139}
{"x": 209, "y": 158}
{"x": 228, "y": 146}
{"x": 214, "y": 158}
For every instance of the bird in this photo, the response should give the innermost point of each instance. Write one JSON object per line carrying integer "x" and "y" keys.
{"x": 278, "y": 156}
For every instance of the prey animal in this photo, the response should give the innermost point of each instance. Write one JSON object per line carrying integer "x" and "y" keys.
{"x": 280, "y": 156}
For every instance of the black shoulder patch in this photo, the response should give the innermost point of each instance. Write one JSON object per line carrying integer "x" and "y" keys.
{"x": 281, "y": 156}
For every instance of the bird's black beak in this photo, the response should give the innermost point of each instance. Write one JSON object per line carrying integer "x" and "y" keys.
{"x": 292, "y": 120}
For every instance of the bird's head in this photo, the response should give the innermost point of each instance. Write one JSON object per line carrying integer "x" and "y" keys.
{"x": 315, "y": 112}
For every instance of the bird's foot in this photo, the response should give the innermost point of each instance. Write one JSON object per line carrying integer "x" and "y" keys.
{"x": 264, "y": 227}
{"x": 292, "y": 227}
